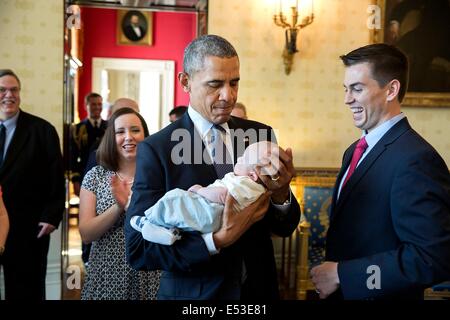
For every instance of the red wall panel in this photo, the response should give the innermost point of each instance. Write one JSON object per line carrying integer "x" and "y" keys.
{"x": 171, "y": 33}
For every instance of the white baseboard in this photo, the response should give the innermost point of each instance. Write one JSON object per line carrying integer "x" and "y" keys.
{"x": 53, "y": 282}
{"x": 2, "y": 284}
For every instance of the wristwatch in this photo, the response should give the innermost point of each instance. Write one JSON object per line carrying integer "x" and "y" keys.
{"x": 2, "y": 249}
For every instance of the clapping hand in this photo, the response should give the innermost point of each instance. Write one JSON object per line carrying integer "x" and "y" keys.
{"x": 121, "y": 192}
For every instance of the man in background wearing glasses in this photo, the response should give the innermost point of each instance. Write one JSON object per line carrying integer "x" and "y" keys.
{"x": 32, "y": 181}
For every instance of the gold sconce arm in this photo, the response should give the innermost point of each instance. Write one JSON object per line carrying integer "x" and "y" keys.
{"x": 291, "y": 33}
{"x": 280, "y": 20}
{"x": 307, "y": 20}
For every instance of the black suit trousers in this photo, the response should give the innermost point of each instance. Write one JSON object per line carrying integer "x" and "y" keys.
{"x": 25, "y": 272}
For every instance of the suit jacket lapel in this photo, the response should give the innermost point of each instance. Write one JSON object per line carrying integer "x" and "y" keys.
{"x": 239, "y": 141}
{"x": 18, "y": 142}
{"x": 393, "y": 134}
{"x": 360, "y": 171}
{"x": 345, "y": 163}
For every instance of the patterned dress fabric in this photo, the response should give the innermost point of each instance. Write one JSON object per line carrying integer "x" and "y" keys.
{"x": 109, "y": 277}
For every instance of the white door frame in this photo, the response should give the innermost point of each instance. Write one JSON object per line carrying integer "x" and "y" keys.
{"x": 164, "y": 68}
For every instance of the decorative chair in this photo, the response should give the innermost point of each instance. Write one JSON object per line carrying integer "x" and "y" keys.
{"x": 438, "y": 292}
{"x": 313, "y": 189}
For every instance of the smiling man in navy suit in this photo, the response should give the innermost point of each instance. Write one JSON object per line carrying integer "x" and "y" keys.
{"x": 237, "y": 261}
{"x": 389, "y": 234}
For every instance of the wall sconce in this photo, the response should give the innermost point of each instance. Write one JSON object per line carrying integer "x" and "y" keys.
{"x": 292, "y": 29}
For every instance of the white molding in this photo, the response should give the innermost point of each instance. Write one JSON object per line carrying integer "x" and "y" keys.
{"x": 53, "y": 282}
{"x": 53, "y": 278}
{"x": 2, "y": 284}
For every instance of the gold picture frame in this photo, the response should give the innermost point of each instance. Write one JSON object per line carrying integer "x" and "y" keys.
{"x": 140, "y": 32}
{"x": 435, "y": 99}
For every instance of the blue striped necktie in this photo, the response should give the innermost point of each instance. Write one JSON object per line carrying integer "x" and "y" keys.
{"x": 222, "y": 161}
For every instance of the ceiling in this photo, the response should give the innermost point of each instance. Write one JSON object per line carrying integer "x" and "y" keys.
{"x": 182, "y": 4}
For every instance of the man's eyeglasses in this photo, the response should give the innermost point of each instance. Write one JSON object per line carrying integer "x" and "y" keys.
{"x": 14, "y": 91}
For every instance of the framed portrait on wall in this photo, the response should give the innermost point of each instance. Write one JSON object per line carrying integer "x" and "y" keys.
{"x": 134, "y": 27}
{"x": 421, "y": 28}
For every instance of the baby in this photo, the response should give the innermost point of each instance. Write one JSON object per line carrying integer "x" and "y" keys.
{"x": 200, "y": 208}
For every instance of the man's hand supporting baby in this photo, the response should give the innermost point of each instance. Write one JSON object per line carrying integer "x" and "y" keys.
{"x": 235, "y": 222}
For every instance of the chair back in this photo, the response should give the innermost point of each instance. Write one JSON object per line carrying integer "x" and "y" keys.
{"x": 313, "y": 189}
{"x": 317, "y": 203}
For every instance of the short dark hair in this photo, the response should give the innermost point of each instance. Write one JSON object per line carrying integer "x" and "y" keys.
{"x": 9, "y": 72}
{"x": 387, "y": 63}
{"x": 240, "y": 105}
{"x": 204, "y": 46}
{"x": 178, "y": 111}
{"x": 91, "y": 95}
{"x": 107, "y": 153}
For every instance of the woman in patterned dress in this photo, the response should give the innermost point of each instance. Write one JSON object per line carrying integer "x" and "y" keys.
{"x": 102, "y": 216}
